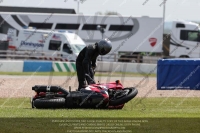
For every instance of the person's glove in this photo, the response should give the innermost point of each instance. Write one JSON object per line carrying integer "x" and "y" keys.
{"x": 89, "y": 80}
{"x": 94, "y": 66}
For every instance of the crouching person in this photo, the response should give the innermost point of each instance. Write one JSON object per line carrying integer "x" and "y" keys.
{"x": 86, "y": 61}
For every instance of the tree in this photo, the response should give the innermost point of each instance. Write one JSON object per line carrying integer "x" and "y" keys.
{"x": 111, "y": 13}
{"x": 99, "y": 13}
{"x": 107, "y": 13}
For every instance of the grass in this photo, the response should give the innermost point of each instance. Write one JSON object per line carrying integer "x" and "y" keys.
{"x": 174, "y": 115}
{"x": 137, "y": 108}
{"x": 116, "y": 74}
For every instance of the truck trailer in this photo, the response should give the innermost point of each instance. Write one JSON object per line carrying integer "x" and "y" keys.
{"x": 132, "y": 37}
{"x": 129, "y": 35}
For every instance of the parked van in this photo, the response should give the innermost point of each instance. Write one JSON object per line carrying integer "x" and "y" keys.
{"x": 53, "y": 44}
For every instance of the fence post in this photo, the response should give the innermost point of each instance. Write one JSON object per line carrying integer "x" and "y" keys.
{"x": 115, "y": 57}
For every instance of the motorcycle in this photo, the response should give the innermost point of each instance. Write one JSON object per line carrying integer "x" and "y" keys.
{"x": 96, "y": 96}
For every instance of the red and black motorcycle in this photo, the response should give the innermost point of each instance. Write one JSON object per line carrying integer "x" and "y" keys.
{"x": 101, "y": 96}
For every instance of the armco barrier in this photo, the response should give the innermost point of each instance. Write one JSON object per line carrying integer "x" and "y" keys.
{"x": 48, "y": 66}
{"x": 11, "y": 66}
{"x": 141, "y": 68}
{"x": 37, "y": 66}
{"x": 126, "y": 67}
{"x": 64, "y": 66}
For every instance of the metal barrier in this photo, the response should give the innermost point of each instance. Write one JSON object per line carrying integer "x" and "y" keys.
{"x": 130, "y": 58}
{"x": 35, "y": 55}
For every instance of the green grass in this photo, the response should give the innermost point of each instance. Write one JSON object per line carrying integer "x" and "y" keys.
{"x": 168, "y": 115}
{"x": 137, "y": 108}
{"x": 116, "y": 74}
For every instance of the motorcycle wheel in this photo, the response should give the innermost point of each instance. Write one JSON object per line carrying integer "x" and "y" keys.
{"x": 123, "y": 96}
{"x": 44, "y": 103}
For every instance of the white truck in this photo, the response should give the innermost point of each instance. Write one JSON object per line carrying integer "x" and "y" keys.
{"x": 46, "y": 44}
{"x": 182, "y": 40}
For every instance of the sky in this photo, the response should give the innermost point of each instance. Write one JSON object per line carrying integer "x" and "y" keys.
{"x": 175, "y": 9}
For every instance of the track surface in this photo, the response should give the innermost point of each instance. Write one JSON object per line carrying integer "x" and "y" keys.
{"x": 20, "y": 86}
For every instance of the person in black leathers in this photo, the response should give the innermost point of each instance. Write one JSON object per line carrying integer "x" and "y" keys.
{"x": 86, "y": 61}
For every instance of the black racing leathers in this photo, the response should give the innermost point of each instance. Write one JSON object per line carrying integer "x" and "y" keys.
{"x": 85, "y": 62}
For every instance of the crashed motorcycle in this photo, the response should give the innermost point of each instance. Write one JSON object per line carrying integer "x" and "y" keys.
{"x": 96, "y": 96}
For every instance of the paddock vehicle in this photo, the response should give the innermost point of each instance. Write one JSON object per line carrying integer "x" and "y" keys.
{"x": 62, "y": 43}
{"x": 97, "y": 96}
